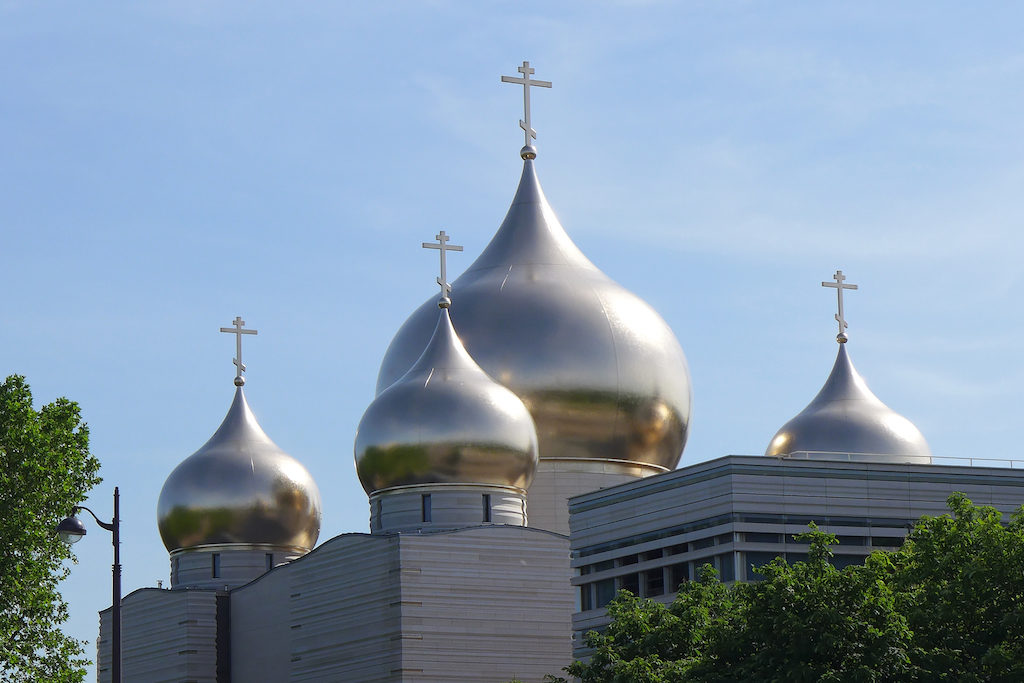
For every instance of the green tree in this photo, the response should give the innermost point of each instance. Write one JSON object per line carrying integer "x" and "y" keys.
{"x": 948, "y": 606}
{"x": 960, "y": 582}
{"x": 45, "y": 469}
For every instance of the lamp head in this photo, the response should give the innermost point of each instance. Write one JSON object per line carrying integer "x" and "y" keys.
{"x": 71, "y": 529}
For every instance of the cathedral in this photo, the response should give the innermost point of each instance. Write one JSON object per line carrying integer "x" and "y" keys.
{"x": 519, "y": 461}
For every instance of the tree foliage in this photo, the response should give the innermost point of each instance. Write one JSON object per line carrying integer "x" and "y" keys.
{"x": 948, "y": 606}
{"x": 45, "y": 469}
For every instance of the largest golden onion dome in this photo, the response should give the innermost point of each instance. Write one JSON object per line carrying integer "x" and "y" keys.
{"x": 240, "y": 487}
{"x": 445, "y": 422}
{"x": 600, "y": 371}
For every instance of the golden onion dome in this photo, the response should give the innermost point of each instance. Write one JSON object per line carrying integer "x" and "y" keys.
{"x": 847, "y": 418}
{"x": 240, "y": 487}
{"x": 600, "y": 371}
{"x": 445, "y": 421}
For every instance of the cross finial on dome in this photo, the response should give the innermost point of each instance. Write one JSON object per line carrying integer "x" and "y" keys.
{"x": 443, "y": 246}
{"x": 839, "y": 287}
{"x": 528, "y": 151}
{"x": 238, "y": 331}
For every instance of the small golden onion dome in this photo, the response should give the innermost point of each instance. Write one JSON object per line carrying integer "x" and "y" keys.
{"x": 600, "y": 371}
{"x": 445, "y": 421}
{"x": 240, "y": 487}
{"x": 845, "y": 417}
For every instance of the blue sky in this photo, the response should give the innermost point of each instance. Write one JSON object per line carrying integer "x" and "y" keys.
{"x": 167, "y": 166}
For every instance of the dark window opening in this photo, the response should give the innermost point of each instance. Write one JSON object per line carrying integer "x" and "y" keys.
{"x": 487, "y": 507}
{"x": 758, "y": 537}
{"x": 586, "y": 598}
{"x": 654, "y": 582}
{"x": 630, "y": 582}
{"x": 726, "y": 567}
{"x": 703, "y": 543}
{"x": 215, "y": 565}
{"x": 426, "y": 507}
{"x": 270, "y": 561}
{"x": 678, "y": 574}
{"x": 605, "y": 591}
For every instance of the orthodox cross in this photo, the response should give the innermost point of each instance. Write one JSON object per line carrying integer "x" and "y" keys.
{"x": 526, "y": 82}
{"x": 238, "y": 331}
{"x": 443, "y": 247}
{"x": 839, "y": 287}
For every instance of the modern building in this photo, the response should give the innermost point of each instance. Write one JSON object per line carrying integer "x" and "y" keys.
{"x": 533, "y": 380}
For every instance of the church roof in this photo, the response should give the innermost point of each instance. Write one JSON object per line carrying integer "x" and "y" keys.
{"x": 601, "y": 372}
{"x": 846, "y": 417}
{"x": 445, "y": 421}
{"x": 240, "y": 487}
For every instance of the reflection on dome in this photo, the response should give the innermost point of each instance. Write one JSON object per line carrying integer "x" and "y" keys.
{"x": 846, "y": 417}
{"x": 445, "y": 421}
{"x": 240, "y": 487}
{"x": 601, "y": 372}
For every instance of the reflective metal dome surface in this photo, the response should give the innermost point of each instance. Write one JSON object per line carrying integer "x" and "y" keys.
{"x": 240, "y": 487}
{"x": 845, "y": 417}
{"x": 600, "y": 371}
{"x": 445, "y": 421}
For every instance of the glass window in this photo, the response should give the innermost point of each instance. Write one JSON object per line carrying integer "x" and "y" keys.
{"x": 750, "y": 560}
{"x": 886, "y": 541}
{"x": 586, "y": 597}
{"x": 654, "y": 582}
{"x": 726, "y": 567}
{"x": 703, "y": 543}
{"x": 215, "y": 566}
{"x": 426, "y": 507}
{"x": 757, "y": 537}
{"x": 651, "y": 555}
{"x": 842, "y": 561}
{"x": 724, "y": 538}
{"x": 605, "y": 591}
{"x": 678, "y": 573}
{"x": 628, "y": 559}
{"x": 630, "y": 582}
{"x": 601, "y": 566}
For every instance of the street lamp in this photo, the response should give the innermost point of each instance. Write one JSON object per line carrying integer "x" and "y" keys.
{"x": 71, "y": 529}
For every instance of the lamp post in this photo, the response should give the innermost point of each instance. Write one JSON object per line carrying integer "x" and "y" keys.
{"x": 71, "y": 529}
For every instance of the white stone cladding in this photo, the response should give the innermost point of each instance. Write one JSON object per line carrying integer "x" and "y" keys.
{"x": 557, "y": 480}
{"x": 484, "y": 603}
{"x": 166, "y": 637}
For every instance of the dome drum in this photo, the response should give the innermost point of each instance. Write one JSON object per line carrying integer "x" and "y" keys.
{"x": 437, "y": 507}
{"x": 215, "y": 566}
